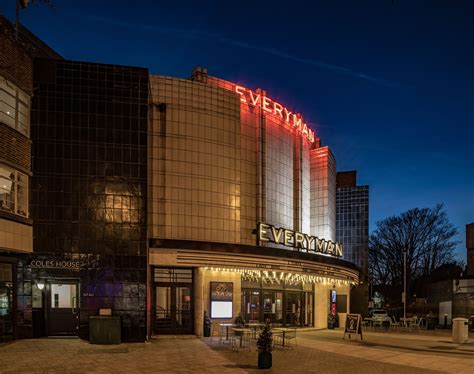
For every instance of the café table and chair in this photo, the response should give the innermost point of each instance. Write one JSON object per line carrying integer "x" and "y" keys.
{"x": 240, "y": 338}
{"x": 283, "y": 337}
{"x": 255, "y": 326}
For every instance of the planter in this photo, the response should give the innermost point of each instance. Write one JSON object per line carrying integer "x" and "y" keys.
{"x": 264, "y": 360}
{"x": 331, "y": 325}
{"x": 430, "y": 325}
{"x": 207, "y": 331}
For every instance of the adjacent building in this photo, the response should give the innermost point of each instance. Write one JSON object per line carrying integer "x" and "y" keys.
{"x": 16, "y": 232}
{"x": 88, "y": 199}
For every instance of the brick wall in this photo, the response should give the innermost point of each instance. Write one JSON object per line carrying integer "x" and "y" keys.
{"x": 15, "y": 63}
{"x": 15, "y": 147}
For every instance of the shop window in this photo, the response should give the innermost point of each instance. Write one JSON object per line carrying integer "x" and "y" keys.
{"x": 13, "y": 191}
{"x": 14, "y": 107}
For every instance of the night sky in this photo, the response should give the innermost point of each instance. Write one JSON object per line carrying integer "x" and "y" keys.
{"x": 388, "y": 85}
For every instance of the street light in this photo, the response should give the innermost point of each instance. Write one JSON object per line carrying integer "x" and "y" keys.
{"x": 404, "y": 299}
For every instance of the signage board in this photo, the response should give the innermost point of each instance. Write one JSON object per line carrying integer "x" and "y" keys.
{"x": 222, "y": 294}
{"x": 353, "y": 325}
{"x": 222, "y": 291}
{"x": 55, "y": 264}
{"x": 298, "y": 241}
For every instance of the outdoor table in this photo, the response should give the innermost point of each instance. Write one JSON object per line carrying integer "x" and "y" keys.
{"x": 407, "y": 321}
{"x": 369, "y": 320}
{"x": 227, "y": 325}
{"x": 242, "y": 331}
{"x": 255, "y": 326}
{"x": 283, "y": 331}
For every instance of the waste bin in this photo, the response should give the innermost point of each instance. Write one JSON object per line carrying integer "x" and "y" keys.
{"x": 460, "y": 330}
{"x": 105, "y": 330}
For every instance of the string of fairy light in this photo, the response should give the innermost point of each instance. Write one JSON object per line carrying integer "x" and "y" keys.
{"x": 280, "y": 277}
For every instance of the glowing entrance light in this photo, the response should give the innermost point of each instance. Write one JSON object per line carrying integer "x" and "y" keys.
{"x": 270, "y": 106}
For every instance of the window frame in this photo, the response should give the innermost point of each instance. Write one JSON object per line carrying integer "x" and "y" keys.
{"x": 20, "y": 179}
{"x": 21, "y": 120}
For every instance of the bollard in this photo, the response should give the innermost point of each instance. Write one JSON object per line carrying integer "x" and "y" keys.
{"x": 445, "y": 321}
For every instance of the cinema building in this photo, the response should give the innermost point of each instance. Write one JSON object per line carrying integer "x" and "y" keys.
{"x": 161, "y": 198}
{"x": 241, "y": 210}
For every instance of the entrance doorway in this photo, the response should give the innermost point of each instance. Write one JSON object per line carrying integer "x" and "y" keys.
{"x": 62, "y": 304}
{"x": 174, "y": 304}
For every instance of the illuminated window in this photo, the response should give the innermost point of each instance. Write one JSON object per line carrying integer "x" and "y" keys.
{"x": 14, "y": 107}
{"x": 13, "y": 191}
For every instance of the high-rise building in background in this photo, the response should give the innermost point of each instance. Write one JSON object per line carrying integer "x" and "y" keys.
{"x": 352, "y": 229}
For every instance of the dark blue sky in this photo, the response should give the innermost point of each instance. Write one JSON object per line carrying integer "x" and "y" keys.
{"x": 388, "y": 85}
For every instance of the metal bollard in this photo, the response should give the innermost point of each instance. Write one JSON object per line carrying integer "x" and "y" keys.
{"x": 445, "y": 320}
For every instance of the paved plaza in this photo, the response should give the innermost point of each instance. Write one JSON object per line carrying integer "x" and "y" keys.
{"x": 316, "y": 352}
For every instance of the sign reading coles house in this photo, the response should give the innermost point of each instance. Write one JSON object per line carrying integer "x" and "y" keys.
{"x": 55, "y": 264}
{"x": 298, "y": 240}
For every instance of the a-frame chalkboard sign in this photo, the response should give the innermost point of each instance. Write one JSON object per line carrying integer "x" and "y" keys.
{"x": 353, "y": 325}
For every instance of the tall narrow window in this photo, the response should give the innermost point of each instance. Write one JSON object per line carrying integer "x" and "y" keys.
{"x": 14, "y": 107}
{"x": 13, "y": 191}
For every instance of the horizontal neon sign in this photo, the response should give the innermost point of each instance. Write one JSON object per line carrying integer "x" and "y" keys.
{"x": 298, "y": 240}
{"x": 270, "y": 106}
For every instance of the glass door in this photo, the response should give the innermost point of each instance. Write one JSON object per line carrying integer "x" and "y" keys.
{"x": 183, "y": 312}
{"x": 63, "y": 308}
{"x": 173, "y": 305}
{"x": 250, "y": 308}
{"x": 174, "y": 312}
{"x": 308, "y": 309}
{"x": 293, "y": 309}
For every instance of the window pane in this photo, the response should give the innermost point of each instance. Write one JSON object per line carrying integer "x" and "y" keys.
{"x": 22, "y": 200}
{"x": 7, "y": 118}
{"x": 63, "y": 296}
{"x": 7, "y": 188}
{"x": 7, "y": 100}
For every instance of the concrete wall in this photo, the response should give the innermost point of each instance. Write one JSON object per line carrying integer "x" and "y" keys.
{"x": 202, "y": 301}
{"x": 16, "y": 236}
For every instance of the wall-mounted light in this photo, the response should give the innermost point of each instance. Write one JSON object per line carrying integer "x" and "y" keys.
{"x": 40, "y": 285}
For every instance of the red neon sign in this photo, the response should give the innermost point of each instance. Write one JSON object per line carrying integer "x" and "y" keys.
{"x": 270, "y": 106}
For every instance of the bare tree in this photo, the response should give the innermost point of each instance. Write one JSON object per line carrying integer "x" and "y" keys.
{"x": 425, "y": 234}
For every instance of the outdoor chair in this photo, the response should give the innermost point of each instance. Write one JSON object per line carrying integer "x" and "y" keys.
{"x": 289, "y": 337}
{"x": 216, "y": 331}
{"x": 416, "y": 325}
{"x": 239, "y": 340}
{"x": 394, "y": 324}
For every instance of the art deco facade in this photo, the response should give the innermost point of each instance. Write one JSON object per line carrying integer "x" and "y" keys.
{"x": 224, "y": 159}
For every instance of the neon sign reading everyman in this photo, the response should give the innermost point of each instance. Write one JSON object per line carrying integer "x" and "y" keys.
{"x": 298, "y": 240}
{"x": 270, "y": 106}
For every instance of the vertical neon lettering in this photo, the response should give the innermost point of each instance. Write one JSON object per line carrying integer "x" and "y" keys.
{"x": 278, "y": 108}
{"x": 297, "y": 121}
{"x": 241, "y": 90}
{"x": 266, "y": 102}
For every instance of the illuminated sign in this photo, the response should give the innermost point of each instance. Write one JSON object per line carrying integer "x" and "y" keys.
{"x": 55, "y": 264}
{"x": 270, "y": 106}
{"x": 298, "y": 240}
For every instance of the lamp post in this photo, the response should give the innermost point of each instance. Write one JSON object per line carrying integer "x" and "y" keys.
{"x": 404, "y": 286}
